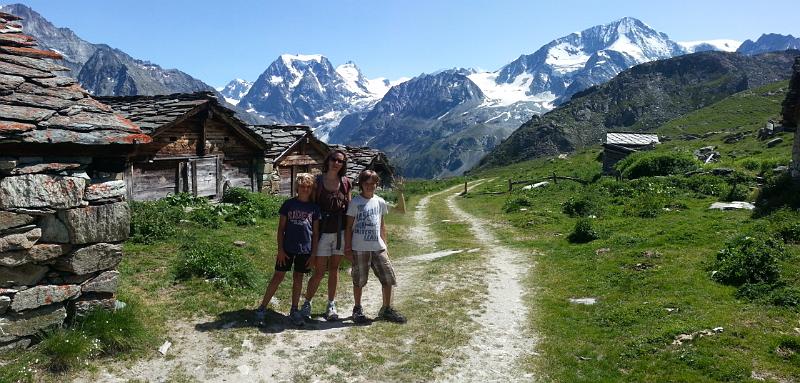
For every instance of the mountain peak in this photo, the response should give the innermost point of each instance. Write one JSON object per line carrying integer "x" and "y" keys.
{"x": 288, "y": 59}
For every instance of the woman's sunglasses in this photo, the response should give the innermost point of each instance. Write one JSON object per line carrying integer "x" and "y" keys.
{"x": 338, "y": 161}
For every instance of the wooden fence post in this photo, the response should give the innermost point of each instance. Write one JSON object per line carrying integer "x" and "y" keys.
{"x": 509, "y": 185}
{"x": 555, "y": 180}
{"x": 465, "y": 187}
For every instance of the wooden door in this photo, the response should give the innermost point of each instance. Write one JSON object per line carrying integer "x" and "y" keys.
{"x": 205, "y": 180}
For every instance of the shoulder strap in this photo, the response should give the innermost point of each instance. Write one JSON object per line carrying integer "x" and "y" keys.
{"x": 345, "y": 185}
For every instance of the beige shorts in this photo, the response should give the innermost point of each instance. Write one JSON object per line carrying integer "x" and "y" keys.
{"x": 378, "y": 261}
{"x": 327, "y": 245}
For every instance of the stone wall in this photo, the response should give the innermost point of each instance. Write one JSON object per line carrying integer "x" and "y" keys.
{"x": 60, "y": 241}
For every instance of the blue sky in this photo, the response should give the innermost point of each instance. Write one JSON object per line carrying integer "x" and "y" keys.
{"x": 217, "y": 41}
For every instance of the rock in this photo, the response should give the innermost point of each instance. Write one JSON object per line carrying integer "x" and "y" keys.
{"x": 102, "y": 223}
{"x": 6, "y": 164}
{"x": 583, "y": 301}
{"x": 41, "y": 190}
{"x": 239, "y": 243}
{"x": 106, "y": 282}
{"x": 44, "y": 168}
{"x": 732, "y": 205}
{"x": 30, "y": 322}
{"x": 43, "y": 295}
{"x": 707, "y": 154}
{"x": 774, "y": 142}
{"x": 37, "y": 253}
{"x": 536, "y": 185}
{"x": 4, "y": 303}
{"x": 20, "y": 241}
{"x": 601, "y": 251}
{"x": 83, "y": 305}
{"x": 92, "y": 258}
{"x": 9, "y": 220}
{"x": 19, "y": 343}
{"x": 53, "y": 230}
{"x": 722, "y": 171}
{"x": 105, "y": 190}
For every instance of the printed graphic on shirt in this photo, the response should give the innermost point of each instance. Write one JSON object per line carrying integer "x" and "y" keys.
{"x": 366, "y": 223}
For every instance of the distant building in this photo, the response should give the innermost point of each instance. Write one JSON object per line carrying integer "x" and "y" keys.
{"x": 293, "y": 150}
{"x": 199, "y": 147}
{"x": 618, "y": 145}
{"x": 361, "y": 158}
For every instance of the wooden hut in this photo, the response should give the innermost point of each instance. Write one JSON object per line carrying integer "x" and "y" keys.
{"x": 63, "y": 214}
{"x": 618, "y": 145}
{"x": 293, "y": 149}
{"x": 198, "y": 147}
{"x": 361, "y": 158}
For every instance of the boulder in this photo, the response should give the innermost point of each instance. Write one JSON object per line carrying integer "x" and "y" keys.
{"x": 41, "y": 190}
{"x": 30, "y": 322}
{"x": 9, "y": 220}
{"x": 106, "y": 282}
{"x": 25, "y": 275}
{"x": 53, "y": 230}
{"x": 4, "y": 303}
{"x": 83, "y": 305}
{"x": 101, "y": 256}
{"x": 102, "y": 223}
{"x": 105, "y": 190}
{"x": 19, "y": 343}
{"x": 735, "y": 205}
{"x": 20, "y": 241}
{"x": 43, "y": 295}
{"x": 774, "y": 142}
{"x": 6, "y": 164}
{"x": 45, "y": 168}
{"x": 37, "y": 253}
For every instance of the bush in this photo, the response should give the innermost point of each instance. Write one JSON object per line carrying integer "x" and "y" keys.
{"x": 207, "y": 216}
{"x": 66, "y": 348}
{"x": 646, "y": 205}
{"x": 117, "y": 331}
{"x": 749, "y": 259}
{"x": 706, "y": 185}
{"x": 236, "y": 195}
{"x": 184, "y": 200}
{"x": 223, "y": 264}
{"x": 650, "y": 164}
{"x": 249, "y": 205}
{"x": 153, "y": 220}
{"x": 736, "y": 192}
{"x": 583, "y": 232}
{"x": 778, "y": 191}
{"x": 515, "y": 203}
{"x": 582, "y": 205}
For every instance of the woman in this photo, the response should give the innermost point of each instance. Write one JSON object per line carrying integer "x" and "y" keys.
{"x": 332, "y": 195}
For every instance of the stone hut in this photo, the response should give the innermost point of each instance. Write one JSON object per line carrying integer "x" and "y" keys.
{"x": 791, "y": 116}
{"x": 199, "y": 147}
{"x": 293, "y": 150}
{"x": 618, "y": 145}
{"x": 63, "y": 214}
{"x": 361, "y": 158}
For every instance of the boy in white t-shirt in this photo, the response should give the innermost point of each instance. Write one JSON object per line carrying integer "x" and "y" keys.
{"x": 365, "y": 240}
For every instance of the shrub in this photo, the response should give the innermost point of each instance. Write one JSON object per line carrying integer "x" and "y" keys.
{"x": 736, "y": 192}
{"x": 236, "y": 195}
{"x": 778, "y": 191}
{"x": 250, "y": 205}
{"x": 223, "y": 264}
{"x": 749, "y": 259}
{"x": 646, "y": 205}
{"x": 117, "y": 331}
{"x": 515, "y": 203}
{"x": 582, "y": 205}
{"x": 650, "y": 164}
{"x": 66, "y": 348}
{"x": 706, "y": 185}
{"x": 153, "y": 220}
{"x": 583, "y": 232}
{"x": 185, "y": 200}
{"x": 207, "y": 216}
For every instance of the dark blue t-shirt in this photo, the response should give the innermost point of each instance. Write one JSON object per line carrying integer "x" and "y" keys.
{"x": 300, "y": 217}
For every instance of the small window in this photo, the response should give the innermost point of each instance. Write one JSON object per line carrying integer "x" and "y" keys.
{"x": 173, "y": 139}
{"x": 226, "y": 139}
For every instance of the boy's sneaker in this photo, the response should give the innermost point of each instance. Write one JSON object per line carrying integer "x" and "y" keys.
{"x": 358, "y": 315}
{"x": 390, "y": 314}
{"x": 305, "y": 311}
{"x": 330, "y": 313}
{"x": 261, "y": 313}
{"x": 296, "y": 317}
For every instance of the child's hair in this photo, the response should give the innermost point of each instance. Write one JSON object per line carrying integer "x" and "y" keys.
{"x": 303, "y": 179}
{"x": 368, "y": 175}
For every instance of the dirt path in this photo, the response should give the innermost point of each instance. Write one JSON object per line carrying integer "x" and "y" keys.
{"x": 495, "y": 350}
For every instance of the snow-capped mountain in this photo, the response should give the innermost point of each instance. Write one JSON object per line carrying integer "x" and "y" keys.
{"x": 307, "y": 89}
{"x": 593, "y": 56}
{"x": 710, "y": 45}
{"x": 769, "y": 42}
{"x": 235, "y": 90}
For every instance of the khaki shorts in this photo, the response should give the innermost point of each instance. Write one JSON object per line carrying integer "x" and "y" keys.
{"x": 327, "y": 245}
{"x": 378, "y": 261}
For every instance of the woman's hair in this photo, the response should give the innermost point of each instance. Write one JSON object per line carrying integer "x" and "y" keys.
{"x": 368, "y": 175}
{"x": 331, "y": 155}
{"x": 303, "y": 179}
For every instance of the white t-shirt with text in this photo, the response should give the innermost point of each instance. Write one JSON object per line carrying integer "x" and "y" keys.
{"x": 368, "y": 214}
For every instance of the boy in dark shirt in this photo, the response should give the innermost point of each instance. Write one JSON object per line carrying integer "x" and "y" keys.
{"x": 297, "y": 244}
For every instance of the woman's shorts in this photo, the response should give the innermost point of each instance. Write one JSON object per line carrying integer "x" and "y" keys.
{"x": 327, "y": 244}
{"x": 298, "y": 261}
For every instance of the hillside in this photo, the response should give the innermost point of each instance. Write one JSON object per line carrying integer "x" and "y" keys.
{"x": 641, "y": 99}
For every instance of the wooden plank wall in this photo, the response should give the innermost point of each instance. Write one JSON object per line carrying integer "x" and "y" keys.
{"x": 238, "y": 174}
{"x": 152, "y": 181}
{"x": 221, "y": 139}
{"x": 205, "y": 174}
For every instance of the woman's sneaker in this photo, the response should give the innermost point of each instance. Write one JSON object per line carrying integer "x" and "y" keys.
{"x": 305, "y": 311}
{"x": 358, "y": 315}
{"x": 391, "y": 315}
{"x": 330, "y": 312}
{"x": 296, "y": 317}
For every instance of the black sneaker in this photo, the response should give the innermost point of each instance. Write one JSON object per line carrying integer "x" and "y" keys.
{"x": 358, "y": 315}
{"x": 391, "y": 315}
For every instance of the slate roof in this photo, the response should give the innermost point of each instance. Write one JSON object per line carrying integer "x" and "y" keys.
{"x": 630, "y": 139}
{"x": 153, "y": 112}
{"x": 280, "y": 137}
{"x": 360, "y": 158}
{"x": 37, "y": 106}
